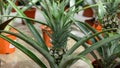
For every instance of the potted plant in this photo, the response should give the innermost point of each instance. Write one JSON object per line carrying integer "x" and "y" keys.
{"x": 45, "y": 29}
{"x": 109, "y": 19}
{"x": 109, "y": 52}
{"x": 59, "y": 21}
{"x": 29, "y": 12}
{"x": 100, "y": 60}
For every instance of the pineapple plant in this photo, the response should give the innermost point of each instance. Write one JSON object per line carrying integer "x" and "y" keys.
{"x": 110, "y": 21}
{"x": 59, "y": 21}
{"x": 108, "y": 11}
{"x": 109, "y": 53}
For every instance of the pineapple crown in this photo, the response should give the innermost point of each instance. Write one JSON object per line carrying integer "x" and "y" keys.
{"x": 109, "y": 7}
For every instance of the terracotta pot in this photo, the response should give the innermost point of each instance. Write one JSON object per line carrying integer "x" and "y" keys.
{"x": 16, "y": 3}
{"x": 96, "y": 25}
{"x": 88, "y": 12}
{"x": 6, "y": 47}
{"x": 45, "y": 31}
{"x": 30, "y": 13}
{"x": 96, "y": 65}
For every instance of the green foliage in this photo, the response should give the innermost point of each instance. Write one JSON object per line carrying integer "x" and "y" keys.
{"x": 56, "y": 19}
{"x": 108, "y": 52}
{"x": 5, "y": 9}
{"x": 109, "y": 7}
{"x": 59, "y": 21}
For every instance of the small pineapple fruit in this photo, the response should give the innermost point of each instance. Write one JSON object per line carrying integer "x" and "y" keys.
{"x": 57, "y": 54}
{"x": 111, "y": 21}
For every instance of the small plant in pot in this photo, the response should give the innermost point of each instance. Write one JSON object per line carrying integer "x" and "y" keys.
{"x": 109, "y": 52}
{"x": 109, "y": 19}
{"x": 107, "y": 56}
{"x": 29, "y": 12}
{"x": 59, "y": 21}
{"x": 111, "y": 47}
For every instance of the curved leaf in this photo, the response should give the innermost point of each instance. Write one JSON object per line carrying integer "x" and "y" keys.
{"x": 100, "y": 43}
{"x": 37, "y": 21}
{"x": 4, "y": 24}
{"x": 26, "y": 51}
{"x": 30, "y": 26}
{"x": 101, "y": 9}
{"x": 83, "y": 40}
{"x": 35, "y": 45}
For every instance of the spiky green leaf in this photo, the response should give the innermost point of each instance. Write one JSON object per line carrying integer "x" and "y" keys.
{"x": 26, "y": 51}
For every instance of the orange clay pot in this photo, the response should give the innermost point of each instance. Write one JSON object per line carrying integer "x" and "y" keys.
{"x": 46, "y": 38}
{"x": 30, "y": 13}
{"x": 16, "y": 3}
{"x": 6, "y": 47}
{"x": 98, "y": 28}
{"x": 88, "y": 12}
{"x": 96, "y": 25}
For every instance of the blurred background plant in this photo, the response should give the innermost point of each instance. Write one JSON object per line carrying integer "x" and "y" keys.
{"x": 5, "y": 9}
{"x": 107, "y": 15}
